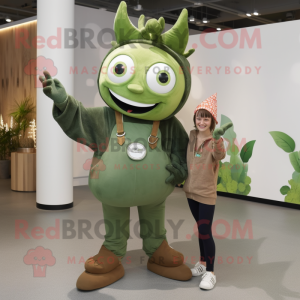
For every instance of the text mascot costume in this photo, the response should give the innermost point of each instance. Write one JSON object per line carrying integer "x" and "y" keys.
{"x": 145, "y": 81}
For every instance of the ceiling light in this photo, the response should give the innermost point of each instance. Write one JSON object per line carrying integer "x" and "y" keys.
{"x": 204, "y": 20}
{"x": 198, "y": 3}
{"x": 138, "y": 7}
{"x": 256, "y": 13}
{"x": 248, "y": 14}
{"x": 219, "y": 28}
{"x": 7, "y": 19}
{"x": 191, "y": 18}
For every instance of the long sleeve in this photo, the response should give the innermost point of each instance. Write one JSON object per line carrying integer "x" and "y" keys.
{"x": 180, "y": 142}
{"x": 83, "y": 125}
{"x": 218, "y": 149}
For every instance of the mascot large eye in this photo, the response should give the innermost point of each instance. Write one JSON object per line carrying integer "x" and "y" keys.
{"x": 161, "y": 78}
{"x": 120, "y": 69}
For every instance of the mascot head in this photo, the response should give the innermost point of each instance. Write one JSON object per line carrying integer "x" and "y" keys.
{"x": 146, "y": 74}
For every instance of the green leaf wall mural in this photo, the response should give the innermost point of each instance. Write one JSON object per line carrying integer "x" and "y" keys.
{"x": 287, "y": 144}
{"x": 232, "y": 176}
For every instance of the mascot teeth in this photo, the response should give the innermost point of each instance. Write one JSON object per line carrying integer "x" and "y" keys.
{"x": 130, "y": 102}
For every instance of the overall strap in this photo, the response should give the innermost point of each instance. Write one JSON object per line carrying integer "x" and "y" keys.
{"x": 152, "y": 139}
{"x": 120, "y": 130}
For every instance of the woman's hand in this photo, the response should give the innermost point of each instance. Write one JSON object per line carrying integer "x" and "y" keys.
{"x": 221, "y": 130}
{"x": 53, "y": 88}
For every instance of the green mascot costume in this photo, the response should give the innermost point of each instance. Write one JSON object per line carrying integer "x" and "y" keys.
{"x": 145, "y": 81}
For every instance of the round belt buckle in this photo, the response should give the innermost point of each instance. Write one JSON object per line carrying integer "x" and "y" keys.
{"x": 136, "y": 151}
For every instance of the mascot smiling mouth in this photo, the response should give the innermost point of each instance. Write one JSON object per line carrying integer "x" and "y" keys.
{"x": 129, "y": 105}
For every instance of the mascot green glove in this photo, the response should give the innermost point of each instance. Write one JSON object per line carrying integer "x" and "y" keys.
{"x": 221, "y": 130}
{"x": 145, "y": 81}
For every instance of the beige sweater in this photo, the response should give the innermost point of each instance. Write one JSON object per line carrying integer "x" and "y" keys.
{"x": 201, "y": 184}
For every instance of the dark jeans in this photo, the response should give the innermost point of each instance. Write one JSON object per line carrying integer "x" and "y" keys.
{"x": 204, "y": 213}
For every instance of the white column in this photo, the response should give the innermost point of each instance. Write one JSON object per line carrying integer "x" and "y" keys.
{"x": 54, "y": 182}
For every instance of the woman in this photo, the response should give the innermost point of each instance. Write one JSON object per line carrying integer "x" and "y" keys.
{"x": 205, "y": 150}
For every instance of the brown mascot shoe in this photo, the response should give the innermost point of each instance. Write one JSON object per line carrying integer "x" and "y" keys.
{"x": 101, "y": 270}
{"x": 88, "y": 281}
{"x": 103, "y": 262}
{"x": 166, "y": 256}
{"x": 168, "y": 263}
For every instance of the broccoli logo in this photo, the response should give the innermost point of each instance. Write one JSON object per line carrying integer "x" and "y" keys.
{"x": 287, "y": 144}
{"x": 39, "y": 258}
{"x": 232, "y": 176}
{"x": 36, "y": 66}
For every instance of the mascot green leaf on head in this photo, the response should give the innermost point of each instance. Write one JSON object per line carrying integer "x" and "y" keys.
{"x": 145, "y": 81}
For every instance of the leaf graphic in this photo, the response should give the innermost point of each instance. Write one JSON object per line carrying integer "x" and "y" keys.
{"x": 233, "y": 150}
{"x": 242, "y": 176}
{"x": 229, "y": 134}
{"x": 296, "y": 176}
{"x": 293, "y": 195}
{"x": 294, "y": 159}
{"x": 237, "y": 167}
{"x": 283, "y": 141}
{"x": 284, "y": 189}
{"x": 246, "y": 151}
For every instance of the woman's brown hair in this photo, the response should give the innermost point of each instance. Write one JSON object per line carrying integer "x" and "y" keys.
{"x": 205, "y": 114}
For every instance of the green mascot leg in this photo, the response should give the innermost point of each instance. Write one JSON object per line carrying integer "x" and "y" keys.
{"x": 163, "y": 259}
{"x": 152, "y": 226}
{"x": 105, "y": 267}
{"x": 117, "y": 228}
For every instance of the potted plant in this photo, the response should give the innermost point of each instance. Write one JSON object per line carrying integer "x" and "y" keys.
{"x": 22, "y": 116}
{"x": 8, "y": 144}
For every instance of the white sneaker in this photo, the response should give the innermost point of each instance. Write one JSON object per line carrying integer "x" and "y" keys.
{"x": 198, "y": 270}
{"x": 208, "y": 281}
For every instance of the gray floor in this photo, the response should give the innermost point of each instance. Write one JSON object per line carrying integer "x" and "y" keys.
{"x": 273, "y": 271}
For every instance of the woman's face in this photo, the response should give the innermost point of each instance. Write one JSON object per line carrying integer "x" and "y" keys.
{"x": 203, "y": 124}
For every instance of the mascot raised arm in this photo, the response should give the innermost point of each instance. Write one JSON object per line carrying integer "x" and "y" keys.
{"x": 144, "y": 80}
